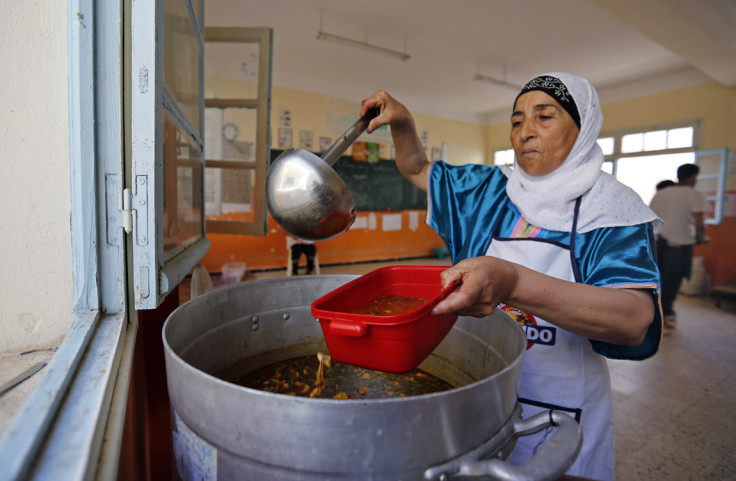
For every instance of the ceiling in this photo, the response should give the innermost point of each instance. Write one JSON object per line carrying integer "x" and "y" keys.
{"x": 626, "y": 48}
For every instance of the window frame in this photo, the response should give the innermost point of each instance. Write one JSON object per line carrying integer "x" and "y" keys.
{"x": 70, "y": 424}
{"x": 262, "y": 36}
{"x": 719, "y": 198}
{"x": 619, "y": 134}
{"x": 154, "y": 276}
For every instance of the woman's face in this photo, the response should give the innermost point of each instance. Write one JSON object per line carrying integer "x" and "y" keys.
{"x": 542, "y": 133}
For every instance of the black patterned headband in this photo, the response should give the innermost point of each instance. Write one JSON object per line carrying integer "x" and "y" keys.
{"x": 553, "y": 87}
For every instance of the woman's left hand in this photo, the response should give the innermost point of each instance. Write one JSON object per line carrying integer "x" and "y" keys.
{"x": 619, "y": 316}
{"x": 486, "y": 282}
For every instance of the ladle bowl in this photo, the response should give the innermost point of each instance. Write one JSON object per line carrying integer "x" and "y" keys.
{"x": 305, "y": 195}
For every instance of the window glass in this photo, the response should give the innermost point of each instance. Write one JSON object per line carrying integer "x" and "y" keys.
{"x": 197, "y": 7}
{"x": 632, "y": 143}
{"x": 607, "y": 167}
{"x": 232, "y": 70}
{"x": 182, "y": 190}
{"x": 503, "y": 157}
{"x": 680, "y": 138}
{"x": 181, "y": 61}
{"x": 230, "y": 134}
{"x": 606, "y": 144}
{"x": 644, "y": 173}
{"x": 655, "y": 140}
{"x": 230, "y": 191}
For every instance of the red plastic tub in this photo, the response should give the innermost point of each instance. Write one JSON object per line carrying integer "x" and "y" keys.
{"x": 393, "y": 343}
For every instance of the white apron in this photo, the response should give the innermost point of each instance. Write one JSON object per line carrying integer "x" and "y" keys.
{"x": 560, "y": 371}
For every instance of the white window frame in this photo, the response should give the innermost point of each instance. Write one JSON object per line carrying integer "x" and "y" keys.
{"x": 719, "y": 198}
{"x": 619, "y": 134}
{"x": 153, "y": 276}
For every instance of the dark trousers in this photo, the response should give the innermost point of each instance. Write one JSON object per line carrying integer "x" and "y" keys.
{"x": 674, "y": 264}
{"x": 309, "y": 250}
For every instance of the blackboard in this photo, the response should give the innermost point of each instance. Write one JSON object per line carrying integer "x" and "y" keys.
{"x": 376, "y": 185}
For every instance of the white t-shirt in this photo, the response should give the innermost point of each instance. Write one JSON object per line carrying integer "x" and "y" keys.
{"x": 675, "y": 205}
{"x": 290, "y": 241}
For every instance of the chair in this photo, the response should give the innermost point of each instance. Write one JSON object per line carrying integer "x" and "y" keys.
{"x": 290, "y": 266}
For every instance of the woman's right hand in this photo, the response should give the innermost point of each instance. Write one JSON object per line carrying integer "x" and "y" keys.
{"x": 411, "y": 158}
{"x": 392, "y": 112}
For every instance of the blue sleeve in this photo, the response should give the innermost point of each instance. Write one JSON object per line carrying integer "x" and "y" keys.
{"x": 624, "y": 257}
{"x": 463, "y": 203}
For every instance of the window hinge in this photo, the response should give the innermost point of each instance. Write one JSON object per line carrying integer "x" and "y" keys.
{"x": 127, "y": 211}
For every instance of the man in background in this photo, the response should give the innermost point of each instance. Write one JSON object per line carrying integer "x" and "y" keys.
{"x": 682, "y": 209}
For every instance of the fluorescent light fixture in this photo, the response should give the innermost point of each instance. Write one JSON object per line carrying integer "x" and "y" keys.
{"x": 364, "y": 45}
{"x": 495, "y": 81}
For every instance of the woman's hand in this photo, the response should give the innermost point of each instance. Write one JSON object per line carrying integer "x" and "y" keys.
{"x": 618, "y": 316}
{"x": 392, "y": 112}
{"x": 411, "y": 159}
{"x": 486, "y": 282}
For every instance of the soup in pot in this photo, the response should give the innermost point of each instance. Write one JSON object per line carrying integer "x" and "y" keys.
{"x": 299, "y": 377}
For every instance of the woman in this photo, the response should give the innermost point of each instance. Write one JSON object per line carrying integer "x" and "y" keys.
{"x": 555, "y": 242}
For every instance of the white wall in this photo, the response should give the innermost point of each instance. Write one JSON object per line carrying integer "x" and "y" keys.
{"x": 35, "y": 241}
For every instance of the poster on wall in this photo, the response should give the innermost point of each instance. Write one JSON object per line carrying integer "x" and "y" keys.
{"x": 436, "y": 154}
{"x": 285, "y": 118}
{"x": 324, "y": 143}
{"x": 424, "y": 135}
{"x": 372, "y": 152}
{"x": 306, "y": 140}
{"x": 284, "y": 138}
{"x": 383, "y": 151}
{"x": 359, "y": 152}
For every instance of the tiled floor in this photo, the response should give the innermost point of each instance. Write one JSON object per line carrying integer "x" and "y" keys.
{"x": 675, "y": 413}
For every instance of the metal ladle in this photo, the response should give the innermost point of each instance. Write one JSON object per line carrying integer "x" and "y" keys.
{"x": 305, "y": 195}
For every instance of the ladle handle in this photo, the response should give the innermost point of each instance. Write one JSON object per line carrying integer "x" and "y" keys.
{"x": 351, "y": 135}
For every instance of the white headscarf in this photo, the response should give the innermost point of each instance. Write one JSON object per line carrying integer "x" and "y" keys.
{"x": 549, "y": 201}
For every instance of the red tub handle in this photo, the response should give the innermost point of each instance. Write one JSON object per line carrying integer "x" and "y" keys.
{"x": 347, "y": 328}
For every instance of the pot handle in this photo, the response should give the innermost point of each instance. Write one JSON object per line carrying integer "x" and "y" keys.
{"x": 549, "y": 463}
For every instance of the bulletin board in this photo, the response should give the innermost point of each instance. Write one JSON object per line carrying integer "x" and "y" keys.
{"x": 376, "y": 186}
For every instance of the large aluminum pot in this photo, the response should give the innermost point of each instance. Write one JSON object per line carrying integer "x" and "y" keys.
{"x": 225, "y": 431}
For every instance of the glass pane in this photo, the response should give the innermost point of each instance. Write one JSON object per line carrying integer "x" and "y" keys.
{"x": 644, "y": 173}
{"x": 231, "y": 70}
{"x": 655, "y": 140}
{"x": 632, "y": 143}
{"x": 499, "y": 157}
{"x": 607, "y": 167}
{"x": 197, "y": 7}
{"x": 606, "y": 144}
{"x": 229, "y": 191}
{"x": 230, "y": 134}
{"x": 678, "y": 138}
{"x": 182, "y": 190}
{"x": 181, "y": 60}
{"x": 503, "y": 157}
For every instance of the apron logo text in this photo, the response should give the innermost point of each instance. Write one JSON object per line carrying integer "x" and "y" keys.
{"x": 540, "y": 334}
